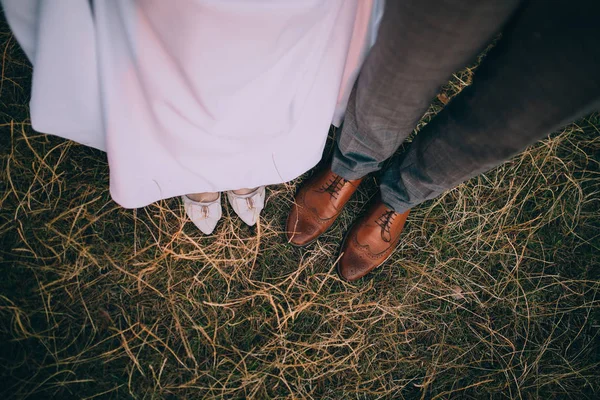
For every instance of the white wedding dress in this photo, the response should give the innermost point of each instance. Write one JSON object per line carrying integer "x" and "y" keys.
{"x": 190, "y": 96}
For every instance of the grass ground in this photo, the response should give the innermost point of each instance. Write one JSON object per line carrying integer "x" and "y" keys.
{"x": 493, "y": 292}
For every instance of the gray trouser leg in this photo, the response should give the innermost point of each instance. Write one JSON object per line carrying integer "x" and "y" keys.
{"x": 420, "y": 44}
{"x": 543, "y": 74}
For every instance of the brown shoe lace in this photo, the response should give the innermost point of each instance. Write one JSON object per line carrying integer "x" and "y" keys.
{"x": 333, "y": 185}
{"x": 385, "y": 221}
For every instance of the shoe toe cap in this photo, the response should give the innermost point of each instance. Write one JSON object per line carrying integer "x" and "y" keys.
{"x": 249, "y": 216}
{"x": 300, "y": 230}
{"x": 207, "y": 226}
{"x": 352, "y": 266}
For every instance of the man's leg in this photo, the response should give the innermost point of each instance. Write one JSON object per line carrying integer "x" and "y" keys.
{"x": 544, "y": 73}
{"x": 420, "y": 44}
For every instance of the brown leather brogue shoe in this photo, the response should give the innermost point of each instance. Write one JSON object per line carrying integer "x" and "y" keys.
{"x": 370, "y": 241}
{"x": 318, "y": 204}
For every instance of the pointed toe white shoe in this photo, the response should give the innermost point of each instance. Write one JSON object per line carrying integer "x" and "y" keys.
{"x": 248, "y": 206}
{"x": 204, "y": 215}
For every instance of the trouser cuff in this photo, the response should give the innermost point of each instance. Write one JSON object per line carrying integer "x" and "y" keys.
{"x": 344, "y": 167}
{"x": 392, "y": 201}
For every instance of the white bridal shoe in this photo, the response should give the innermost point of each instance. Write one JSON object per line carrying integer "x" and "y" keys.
{"x": 248, "y": 206}
{"x": 204, "y": 214}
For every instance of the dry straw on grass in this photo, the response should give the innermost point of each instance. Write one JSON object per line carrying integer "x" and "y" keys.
{"x": 493, "y": 291}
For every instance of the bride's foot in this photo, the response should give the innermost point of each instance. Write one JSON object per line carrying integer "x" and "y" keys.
{"x": 204, "y": 209}
{"x": 204, "y": 197}
{"x": 247, "y": 203}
